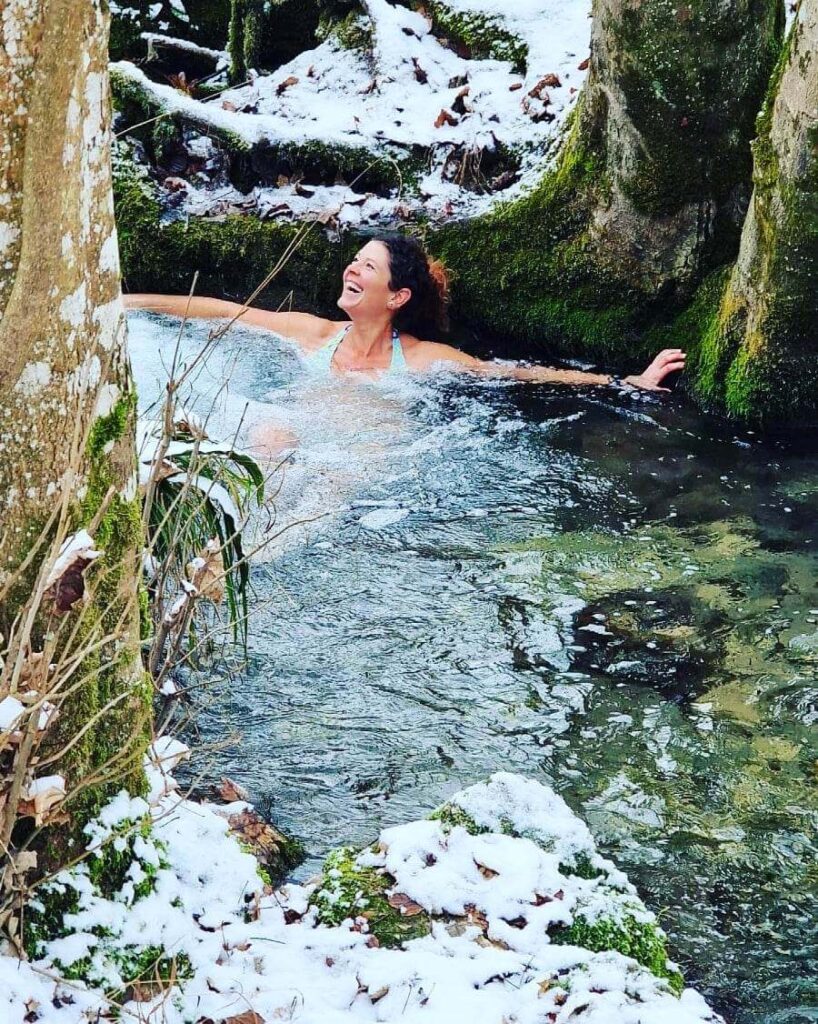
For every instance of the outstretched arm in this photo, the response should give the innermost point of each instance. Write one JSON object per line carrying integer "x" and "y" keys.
{"x": 302, "y": 327}
{"x": 668, "y": 361}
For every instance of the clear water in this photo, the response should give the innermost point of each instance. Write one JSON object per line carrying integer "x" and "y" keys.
{"x": 617, "y": 597}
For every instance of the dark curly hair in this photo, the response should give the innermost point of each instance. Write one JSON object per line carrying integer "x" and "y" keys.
{"x": 425, "y": 315}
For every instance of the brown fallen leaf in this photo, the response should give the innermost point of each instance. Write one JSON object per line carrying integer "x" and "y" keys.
{"x": 407, "y": 906}
{"x": 459, "y": 104}
{"x": 231, "y": 791}
{"x": 286, "y": 84}
{"x": 446, "y": 117}
{"x": 515, "y": 86}
{"x": 206, "y": 572}
{"x": 486, "y": 872}
{"x": 584, "y": 65}
{"x": 227, "y": 105}
{"x": 420, "y": 74}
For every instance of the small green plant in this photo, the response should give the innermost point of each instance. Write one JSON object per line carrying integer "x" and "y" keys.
{"x": 205, "y": 495}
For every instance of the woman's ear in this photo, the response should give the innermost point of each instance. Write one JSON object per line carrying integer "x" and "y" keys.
{"x": 400, "y": 298}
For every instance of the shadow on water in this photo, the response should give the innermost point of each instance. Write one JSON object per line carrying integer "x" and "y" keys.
{"x": 618, "y": 597}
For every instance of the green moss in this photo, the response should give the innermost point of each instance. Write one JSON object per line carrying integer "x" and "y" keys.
{"x": 451, "y": 816}
{"x": 110, "y": 865}
{"x": 111, "y": 673}
{"x": 232, "y": 255}
{"x": 483, "y": 36}
{"x": 45, "y": 917}
{"x": 348, "y": 890}
{"x": 353, "y": 31}
{"x": 550, "y": 285}
{"x": 644, "y": 942}
{"x": 152, "y": 965}
{"x": 581, "y": 867}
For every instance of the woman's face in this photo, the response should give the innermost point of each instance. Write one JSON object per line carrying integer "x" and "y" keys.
{"x": 366, "y": 290}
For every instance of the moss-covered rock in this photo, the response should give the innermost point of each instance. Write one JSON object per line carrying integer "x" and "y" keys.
{"x": 200, "y": 21}
{"x": 757, "y": 342}
{"x": 643, "y": 199}
{"x": 641, "y": 940}
{"x": 480, "y": 35}
{"x": 349, "y": 890}
{"x": 232, "y": 255}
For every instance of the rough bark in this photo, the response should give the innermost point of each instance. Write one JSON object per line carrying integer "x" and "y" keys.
{"x": 647, "y": 193}
{"x": 66, "y": 396}
{"x": 759, "y": 350}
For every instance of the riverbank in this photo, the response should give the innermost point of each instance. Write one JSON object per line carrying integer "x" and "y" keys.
{"x": 483, "y": 911}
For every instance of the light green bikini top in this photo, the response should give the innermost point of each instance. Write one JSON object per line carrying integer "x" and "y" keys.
{"x": 322, "y": 358}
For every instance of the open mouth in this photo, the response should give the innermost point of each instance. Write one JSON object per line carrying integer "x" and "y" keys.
{"x": 354, "y": 289}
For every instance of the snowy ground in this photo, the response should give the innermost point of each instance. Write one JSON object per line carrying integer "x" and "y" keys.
{"x": 250, "y": 950}
{"x": 410, "y": 93}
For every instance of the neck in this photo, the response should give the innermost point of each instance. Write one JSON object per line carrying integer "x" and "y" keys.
{"x": 370, "y": 338}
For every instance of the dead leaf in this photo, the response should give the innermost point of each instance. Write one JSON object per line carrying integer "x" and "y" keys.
{"x": 459, "y": 104}
{"x": 227, "y": 105}
{"x": 286, "y": 84}
{"x": 40, "y": 796}
{"x": 231, "y": 791}
{"x": 486, "y": 872}
{"x": 375, "y": 997}
{"x": 65, "y": 584}
{"x": 515, "y": 86}
{"x": 584, "y": 65}
{"x": 407, "y": 906}
{"x": 206, "y": 572}
{"x": 420, "y": 74}
{"x": 446, "y": 117}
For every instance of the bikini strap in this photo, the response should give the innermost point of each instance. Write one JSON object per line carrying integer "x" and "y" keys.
{"x": 322, "y": 357}
{"x": 398, "y": 364}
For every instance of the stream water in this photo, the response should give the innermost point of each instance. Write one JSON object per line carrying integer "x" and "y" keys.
{"x": 618, "y": 597}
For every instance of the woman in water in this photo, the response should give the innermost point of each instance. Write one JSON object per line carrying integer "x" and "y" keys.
{"x": 393, "y": 296}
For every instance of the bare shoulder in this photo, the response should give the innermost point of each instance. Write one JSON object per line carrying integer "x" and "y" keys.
{"x": 422, "y": 355}
{"x": 308, "y": 331}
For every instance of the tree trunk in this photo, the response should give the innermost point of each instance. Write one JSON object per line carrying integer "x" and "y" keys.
{"x": 759, "y": 354}
{"x": 67, "y": 402}
{"x": 647, "y": 192}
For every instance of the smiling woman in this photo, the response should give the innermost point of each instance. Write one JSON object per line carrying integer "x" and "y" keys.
{"x": 393, "y": 295}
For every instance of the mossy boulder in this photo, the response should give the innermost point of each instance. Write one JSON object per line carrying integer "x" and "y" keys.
{"x": 756, "y": 335}
{"x": 232, "y": 254}
{"x": 645, "y": 197}
{"x": 463, "y": 870}
{"x": 480, "y": 36}
{"x": 351, "y": 891}
{"x": 200, "y": 21}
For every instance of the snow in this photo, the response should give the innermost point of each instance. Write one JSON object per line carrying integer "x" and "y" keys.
{"x": 389, "y": 103}
{"x": 79, "y": 545}
{"x": 210, "y": 905}
{"x": 43, "y": 785}
{"x": 11, "y": 710}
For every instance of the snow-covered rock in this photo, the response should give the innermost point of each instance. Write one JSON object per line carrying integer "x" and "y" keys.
{"x": 478, "y": 885}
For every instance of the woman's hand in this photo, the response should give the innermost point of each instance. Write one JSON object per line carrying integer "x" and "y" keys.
{"x": 668, "y": 361}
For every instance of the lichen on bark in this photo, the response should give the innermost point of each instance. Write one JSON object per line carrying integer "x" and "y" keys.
{"x": 757, "y": 350}
{"x": 66, "y": 396}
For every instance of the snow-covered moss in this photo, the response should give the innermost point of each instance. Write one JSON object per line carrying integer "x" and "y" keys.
{"x": 482, "y": 35}
{"x": 354, "y": 892}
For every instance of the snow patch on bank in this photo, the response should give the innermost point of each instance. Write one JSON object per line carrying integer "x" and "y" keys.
{"x": 246, "y": 947}
{"x": 411, "y": 94}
